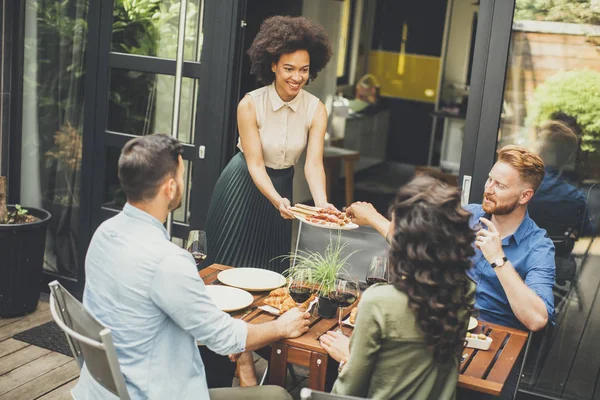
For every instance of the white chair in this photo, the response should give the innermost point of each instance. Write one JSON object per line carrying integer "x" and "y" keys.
{"x": 90, "y": 341}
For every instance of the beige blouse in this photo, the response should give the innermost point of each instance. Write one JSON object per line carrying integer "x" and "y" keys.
{"x": 283, "y": 127}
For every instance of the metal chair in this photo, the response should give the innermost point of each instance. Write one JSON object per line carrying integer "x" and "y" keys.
{"x": 90, "y": 342}
{"x": 309, "y": 394}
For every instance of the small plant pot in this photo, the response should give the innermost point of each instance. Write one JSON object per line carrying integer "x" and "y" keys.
{"x": 327, "y": 308}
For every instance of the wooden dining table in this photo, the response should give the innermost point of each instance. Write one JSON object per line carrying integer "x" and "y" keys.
{"x": 482, "y": 371}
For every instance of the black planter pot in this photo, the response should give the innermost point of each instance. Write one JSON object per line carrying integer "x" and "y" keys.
{"x": 327, "y": 308}
{"x": 21, "y": 264}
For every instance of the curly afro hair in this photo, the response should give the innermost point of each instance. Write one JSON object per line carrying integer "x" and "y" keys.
{"x": 283, "y": 35}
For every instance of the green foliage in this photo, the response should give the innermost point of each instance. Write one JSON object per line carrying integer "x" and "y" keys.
{"x": 325, "y": 267}
{"x": 572, "y": 11}
{"x": 20, "y": 215}
{"x": 576, "y": 93}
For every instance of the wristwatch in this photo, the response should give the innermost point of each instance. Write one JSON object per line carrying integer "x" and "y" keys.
{"x": 499, "y": 262}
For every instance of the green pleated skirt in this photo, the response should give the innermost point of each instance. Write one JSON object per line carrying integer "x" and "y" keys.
{"x": 243, "y": 228}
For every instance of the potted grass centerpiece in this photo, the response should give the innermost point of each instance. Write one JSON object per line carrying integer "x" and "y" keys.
{"x": 325, "y": 269}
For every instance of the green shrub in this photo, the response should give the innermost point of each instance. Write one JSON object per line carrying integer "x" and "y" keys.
{"x": 576, "y": 93}
{"x": 572, "y": 11}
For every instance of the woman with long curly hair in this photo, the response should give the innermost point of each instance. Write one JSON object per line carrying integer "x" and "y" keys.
{"x": 249, "y": 215}
{"x": 409, "y": 334}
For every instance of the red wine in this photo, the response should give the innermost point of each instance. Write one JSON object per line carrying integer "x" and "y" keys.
{"x": 343, "y": 299}
{"x": 199, "y": 257}
{"x": 300, "y": 294}
{"x": 372, "y": 281}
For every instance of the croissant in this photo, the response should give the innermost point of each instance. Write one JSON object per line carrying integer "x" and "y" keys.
{"x": 281, "y": 300}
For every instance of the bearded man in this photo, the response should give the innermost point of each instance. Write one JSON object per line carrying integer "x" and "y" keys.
{"x": 513, "y": 266}
{"x": 514, "y": 261}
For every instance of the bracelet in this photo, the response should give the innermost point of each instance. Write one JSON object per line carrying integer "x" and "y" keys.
{"x": 342, "y": 363}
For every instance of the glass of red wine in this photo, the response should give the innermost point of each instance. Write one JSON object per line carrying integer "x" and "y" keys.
{"x": 345, "y": 293}
{"x": 196, "y": 245}
{"x": 378, "y": 271}
{"x": 300, "y": 285}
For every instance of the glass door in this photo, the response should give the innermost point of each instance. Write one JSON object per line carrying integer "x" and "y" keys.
{"x": 136, "y": 91}
{"x": 96, "y": 74}
{"x": 541, "y": 90}
{"x": 146, "y": 83}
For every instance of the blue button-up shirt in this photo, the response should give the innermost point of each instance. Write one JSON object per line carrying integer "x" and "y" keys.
{"x": 532, "y": 255}
{"x": 148, "y": 292}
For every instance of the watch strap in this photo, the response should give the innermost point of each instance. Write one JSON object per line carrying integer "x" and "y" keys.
{"x": 504, "y": 260}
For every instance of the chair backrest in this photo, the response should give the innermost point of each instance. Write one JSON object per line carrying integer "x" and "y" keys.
{"x": 309, "y": 394}
{"x": 89, "y": 340}
{"x": 366, "y": 241}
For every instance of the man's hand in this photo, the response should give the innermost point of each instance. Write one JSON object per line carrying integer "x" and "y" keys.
{"x": 489, "y": 241}
{"x": 285, "y": 209}
{"x": 336, "y": 344}
{"x": 362, "y": 213}
{"x": 294, "y": 323}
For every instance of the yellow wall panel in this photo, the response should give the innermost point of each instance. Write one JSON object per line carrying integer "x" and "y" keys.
{"x": 406, "y": 76}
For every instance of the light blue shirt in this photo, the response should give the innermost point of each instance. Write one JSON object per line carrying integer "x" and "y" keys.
{"x": 148, "y": 292}
{"x": 531, "y": 253}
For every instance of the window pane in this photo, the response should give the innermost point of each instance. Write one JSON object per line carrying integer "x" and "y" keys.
{"x": 114, "y": 197}
{"x": 552, "y": 106}
{"x": 52, "y": 121}
{"x": 142, "y": 104}
{"x": 149, "y": 28}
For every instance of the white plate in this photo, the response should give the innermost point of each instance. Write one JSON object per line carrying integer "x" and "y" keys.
{"x": 472, "y": 323}
{"x": 349, "y": 226}
{"x": 228, "y": 298}
{"x": 347, "y": 322}
{"x": 253, "y": 279}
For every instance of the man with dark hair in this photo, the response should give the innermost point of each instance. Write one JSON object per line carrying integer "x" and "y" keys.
{"x": 148, "y": 292}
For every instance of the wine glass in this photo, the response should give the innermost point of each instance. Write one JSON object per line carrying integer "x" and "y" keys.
{"x": 345, "y": 293}
{"x": 378, "y": 271}
{"x": 197, "y": 245}
{"x": 300, "y": 285}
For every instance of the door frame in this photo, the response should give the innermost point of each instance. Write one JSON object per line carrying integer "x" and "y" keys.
{"x": 490, "y": 62}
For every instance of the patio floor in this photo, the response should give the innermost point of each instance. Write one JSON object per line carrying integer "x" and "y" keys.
{"x": 31, "y": 372}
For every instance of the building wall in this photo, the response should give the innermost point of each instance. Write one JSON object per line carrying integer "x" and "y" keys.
{"x": 459, "y": 41}
{"x": 327, "y": 13}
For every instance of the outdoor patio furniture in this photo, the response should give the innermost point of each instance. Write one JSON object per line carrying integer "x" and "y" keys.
{"x": 331, "y": 157}
{"x": 90, "y": 342}
{"x": 482, "y": 371}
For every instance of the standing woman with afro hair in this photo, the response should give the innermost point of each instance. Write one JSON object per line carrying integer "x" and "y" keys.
{"x": 249, "y": 219}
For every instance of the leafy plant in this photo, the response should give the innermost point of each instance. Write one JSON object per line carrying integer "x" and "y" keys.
{"x": 576, "y": 93}
{"x": 325, "y": 267}
{"x": 572, "y": 11}
{"x": 66, "y": 156}
{"x": 20, "y": 215}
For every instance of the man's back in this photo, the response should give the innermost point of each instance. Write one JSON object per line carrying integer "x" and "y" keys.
{"x": 128, "y": 290}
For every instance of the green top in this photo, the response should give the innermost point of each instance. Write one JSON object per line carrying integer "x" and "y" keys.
{"x": 388, "y": 355}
